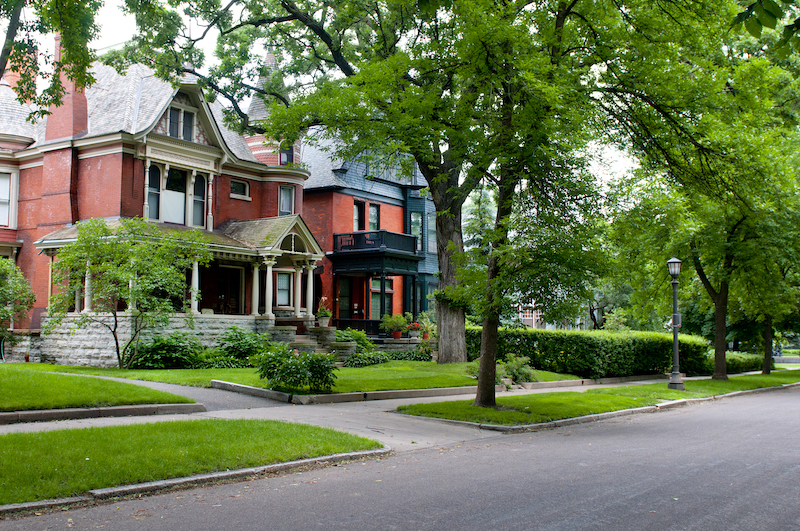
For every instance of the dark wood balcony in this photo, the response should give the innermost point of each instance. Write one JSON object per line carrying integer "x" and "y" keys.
{"x": 374, "y": 252}
{"x": 379, "y": 240}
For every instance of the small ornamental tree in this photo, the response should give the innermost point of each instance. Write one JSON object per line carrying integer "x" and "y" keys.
{"x": 133, "y": 266}
{"x": 16, "y": 296}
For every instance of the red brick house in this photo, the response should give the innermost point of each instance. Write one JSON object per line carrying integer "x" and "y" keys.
{"x": 132, "y": 145}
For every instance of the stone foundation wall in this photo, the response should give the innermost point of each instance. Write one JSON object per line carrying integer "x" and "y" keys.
{"x": 26, "y": 344}
{"x": 93, "y": 344}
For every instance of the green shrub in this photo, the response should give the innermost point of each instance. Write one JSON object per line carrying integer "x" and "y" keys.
{"x": 518, "y": 368}
{"x": 363, "y": 343}
{"x": 596, "y": 354}
{"x": 737, "y": 362}
{"x": 213, "y": 358}
{"x": 473, "y": 368}
{"x": 178, "y": 350}
{"x": 240, "y": 343}
{"x": 289, "y": 370}
{"x": 410, "y": 355}
{"x": 364, "y": 359}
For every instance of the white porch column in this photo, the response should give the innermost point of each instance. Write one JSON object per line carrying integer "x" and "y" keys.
{"x": 87, "y": 289}
{"x": 298, "y": 277}
{"x": 195, "y": 286}
{"x": 146, "y": 208}
{"x": 268, "y": 293}
{"x": 210, "y": 196}
{"x": 255, "y": 291}
{"x": 310, "y": 290}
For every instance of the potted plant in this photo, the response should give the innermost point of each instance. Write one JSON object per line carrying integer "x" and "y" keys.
{"x": 413, "y": 329}
{"x": 324, "y": 313}
{"x": 396, "y": 324}
{"x": 426, "y": 326}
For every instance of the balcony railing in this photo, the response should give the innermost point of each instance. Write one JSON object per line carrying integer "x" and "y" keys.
{"x": 380, "y": 240}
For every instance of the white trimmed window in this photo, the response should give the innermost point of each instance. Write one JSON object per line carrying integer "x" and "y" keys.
{"x": 432, "y": 232}
{"x": 416, "y": 228}
{"x": 176, "y": 199}
{"x": 283, "y": 289}
{"x": 240, "y": 190}
{"x": 5, "y": 199}
{"x": 286, "y": 201}
{"x": 374, "y": 217}
{"x": 181, "y": 123}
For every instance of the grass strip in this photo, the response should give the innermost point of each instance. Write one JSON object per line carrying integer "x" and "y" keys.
{"x": 29, "y": 390}
{"x": 545, "y": 407}
{"x": 38, "y": 466}
{"x": 382, "y": 377}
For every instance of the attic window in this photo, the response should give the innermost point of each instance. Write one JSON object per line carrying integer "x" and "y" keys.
{"x": 181, "y": 124}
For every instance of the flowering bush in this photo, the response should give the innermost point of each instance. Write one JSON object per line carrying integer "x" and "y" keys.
{"x": 413, "y": 327}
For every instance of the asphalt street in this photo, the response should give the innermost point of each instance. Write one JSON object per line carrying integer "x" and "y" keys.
{"x": 728, "y": 464}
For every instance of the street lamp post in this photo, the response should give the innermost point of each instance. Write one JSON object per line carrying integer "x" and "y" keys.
{"x": 675, "y": 381}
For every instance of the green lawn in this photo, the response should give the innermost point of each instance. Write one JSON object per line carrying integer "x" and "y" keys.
{"x": 56, "y": 464}
{"x": 22, "y": 389}
{"x": 382, "y": 377}
{"x": 544, "y": 407}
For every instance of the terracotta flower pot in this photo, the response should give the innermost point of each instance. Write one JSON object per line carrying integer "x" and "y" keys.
{"x": 426, "y": 335}
{"x": 397, "y": 334}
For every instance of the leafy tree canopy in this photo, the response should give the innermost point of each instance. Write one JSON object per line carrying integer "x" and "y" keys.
{"x": 16, "y": 295}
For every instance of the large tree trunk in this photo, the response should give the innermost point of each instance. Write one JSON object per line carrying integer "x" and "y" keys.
{"x": 720, "y": 333}
{"x": 448, "y": 199}
{"x": 767, "y": 366}
{"x": 485, "y": 397}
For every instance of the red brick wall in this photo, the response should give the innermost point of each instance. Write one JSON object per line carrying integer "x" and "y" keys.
{"x": 99, "y": 189}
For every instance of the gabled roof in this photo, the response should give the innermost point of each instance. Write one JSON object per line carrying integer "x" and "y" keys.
{"x": 268, "y": 234}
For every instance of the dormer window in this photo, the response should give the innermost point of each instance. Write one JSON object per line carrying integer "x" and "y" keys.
{"x": 181, "y": 124}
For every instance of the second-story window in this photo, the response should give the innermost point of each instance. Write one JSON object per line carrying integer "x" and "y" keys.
{"x": 240, "y": 189}
{"x": 432, "y": 232}
{"x": 358, "y": 216}
{"x": 199, "y": 201}
{"x": 153, "y": 192}
{"x": 181, "y": 124}
{"x": 374, "y": 217}
{"x": 416, "y": 228}
{"x": 286, "y": 201}
{"x": 5, "y": 199}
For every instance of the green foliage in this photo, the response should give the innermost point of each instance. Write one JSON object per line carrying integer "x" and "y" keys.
{"x": 16, "y": 296}
{"x": 289, "y": 370}
{"x": 418, "y": 354}
{"x": 133, "y": 264}
{"x": 394, "y": 323}
{"x": 518, "y": 368}
{"x": 738, "y": 362}
{"x": 597, "y": 354}
{"x": 74, "y": 22}
{"x": 179, "y": 350}
{"x": 363, "y": 343}
{"x": 366, "y": 358}
{"x": 217, "y": 359}
{"x": 240, "y": 343}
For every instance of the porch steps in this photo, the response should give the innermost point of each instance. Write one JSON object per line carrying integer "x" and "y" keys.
{"x": 306, "y": 343}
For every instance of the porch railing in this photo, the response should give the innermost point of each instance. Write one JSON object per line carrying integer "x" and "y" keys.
{"x": 375, "y": 239}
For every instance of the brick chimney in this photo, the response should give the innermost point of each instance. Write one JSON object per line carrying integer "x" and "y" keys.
{"x": 70, "y": 119}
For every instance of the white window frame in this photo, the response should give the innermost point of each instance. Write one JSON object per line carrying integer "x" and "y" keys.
{"x": 374, "y": 207}
{"x": 290, "y": 273}
{"x": 431, "y": 233}
{"x": 13, "y": 198}
{"x": 281, "y": 189}
{"x": 244, "y": 197}
{"x": 188, "y": 195}
{"x": 182, "y": 111}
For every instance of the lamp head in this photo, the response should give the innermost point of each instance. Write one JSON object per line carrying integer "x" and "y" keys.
{"x": 674, "y": 266}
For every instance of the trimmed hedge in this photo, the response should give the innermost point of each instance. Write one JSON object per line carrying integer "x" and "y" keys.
{"x": 596, "y": 354}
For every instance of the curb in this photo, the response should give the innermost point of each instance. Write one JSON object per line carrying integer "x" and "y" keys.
{"x": 154, "y": 486}
{"x": 47, "y": 415}
{"x": 335, "y": 398}
{"x": 665, "y": 406}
